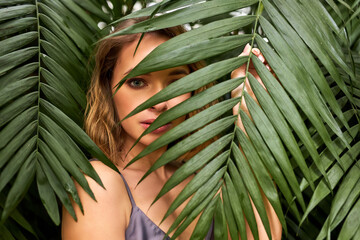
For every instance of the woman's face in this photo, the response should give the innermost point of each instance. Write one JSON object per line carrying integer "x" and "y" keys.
{"x": 139, "y": 89}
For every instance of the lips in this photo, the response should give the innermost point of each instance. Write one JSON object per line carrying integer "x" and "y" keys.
{"x": 161, "y": 129}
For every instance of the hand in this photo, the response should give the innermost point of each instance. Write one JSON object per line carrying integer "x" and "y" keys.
{"x": 240, "y": 72}
{"x": 275, "y": 225}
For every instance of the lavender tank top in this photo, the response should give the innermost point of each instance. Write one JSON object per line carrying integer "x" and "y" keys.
{"x": 141, "y": 227}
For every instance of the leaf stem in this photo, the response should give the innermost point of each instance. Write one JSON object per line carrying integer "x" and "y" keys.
{"x": 259, "y": 11}
{"x": 352, "y": 62}
{"x": 39, "y": 75}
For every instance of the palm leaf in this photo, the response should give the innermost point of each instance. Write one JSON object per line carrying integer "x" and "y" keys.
{"x": 304, "y": 134}
{"x": 40, "y": 43}
{"x": 298, "y": 119}
{"x": 13, "y": 227}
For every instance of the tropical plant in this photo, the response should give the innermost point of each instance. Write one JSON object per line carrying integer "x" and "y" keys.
{"x": 304, "y": 137}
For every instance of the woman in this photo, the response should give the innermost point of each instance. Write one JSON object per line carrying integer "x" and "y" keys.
{"x": 123, "y": 211}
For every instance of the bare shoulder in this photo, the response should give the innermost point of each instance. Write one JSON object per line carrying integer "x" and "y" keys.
{"x": 106, "y": 174}
{"x": 112, "y": 181}
{"x": 105, "y": 218}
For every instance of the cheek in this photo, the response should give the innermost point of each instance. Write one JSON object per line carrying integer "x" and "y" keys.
{"x": 125, "y": 103}
{"x": 122, "y": 106}
{"x": 128, "y": 125}
{"x": 179, "y": 99}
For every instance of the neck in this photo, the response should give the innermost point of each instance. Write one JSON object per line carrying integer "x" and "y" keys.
{"x": 143, "y": 164}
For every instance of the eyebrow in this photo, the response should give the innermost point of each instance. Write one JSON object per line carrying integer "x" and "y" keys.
{"x": 178, "y": 71}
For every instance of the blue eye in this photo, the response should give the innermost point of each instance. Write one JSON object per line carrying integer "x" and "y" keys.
{"x": 136, "y": 83}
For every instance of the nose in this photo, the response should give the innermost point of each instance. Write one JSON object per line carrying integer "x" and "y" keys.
{"x": 160, "y": 107}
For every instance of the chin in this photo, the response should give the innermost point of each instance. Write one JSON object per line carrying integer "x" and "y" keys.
{"x": 148, "y": 139}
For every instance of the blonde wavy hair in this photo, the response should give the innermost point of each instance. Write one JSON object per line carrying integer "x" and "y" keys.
{"x": 101, "y": 119}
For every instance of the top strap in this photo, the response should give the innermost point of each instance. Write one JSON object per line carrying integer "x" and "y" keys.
{"x": 126, "y": 185}
{"x": 128, "y": 190}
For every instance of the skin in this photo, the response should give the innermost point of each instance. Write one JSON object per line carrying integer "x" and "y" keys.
{"x": 240, "y": 72}
{"x": 109, "y": 217}
{"x": 137, "y": 90}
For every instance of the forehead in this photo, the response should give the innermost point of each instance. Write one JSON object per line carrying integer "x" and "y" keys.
{"x": 126, "y": 58}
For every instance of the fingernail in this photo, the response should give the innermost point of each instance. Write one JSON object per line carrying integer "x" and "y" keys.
{"x": 246, "y": 50}
{"x": 262, "y": 59}
{"x": 255, "y": 51}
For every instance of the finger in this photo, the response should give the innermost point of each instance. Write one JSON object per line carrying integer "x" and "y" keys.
{"x": 249, "y": 90}
{"x": 253, "y": 72}
{"x": 237, "y": 91}
{"x": 244, "y": 107}
{"x": 262, "y": 58}
{"x": 246, "y": 50}
{"x": 239, "y": 72}
{"x": 268, "y": 67}
{"x": 256, "y": 51}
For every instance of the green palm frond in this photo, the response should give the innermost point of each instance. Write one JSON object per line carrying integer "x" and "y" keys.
{"x": 12, "y": 227}
{"x": 43, "y": 76}
{"x": 304, "y": 136}
{"x": 306, "y": 129}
